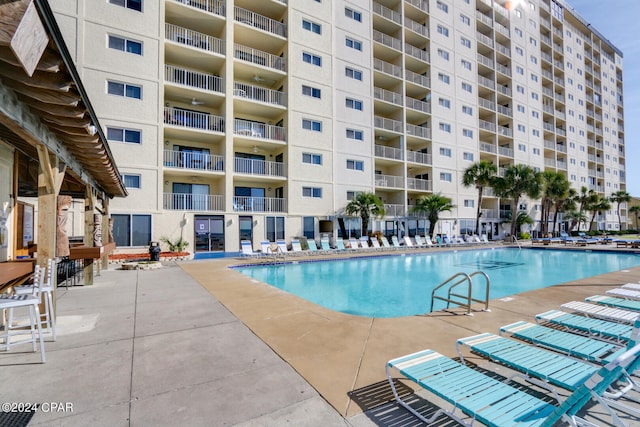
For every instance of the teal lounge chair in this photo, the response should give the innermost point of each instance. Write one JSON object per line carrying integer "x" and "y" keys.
{"x": 394, "y": 240}
{"x": 340, "y": 245}
{"x": 620, "y": 332}
{"x": 324, "y": 244}
{"x": 625, "y": 304}
{"x": 313, "y": 248}
{"x": 601, "y": 311}
{"x": 493, "y": 402}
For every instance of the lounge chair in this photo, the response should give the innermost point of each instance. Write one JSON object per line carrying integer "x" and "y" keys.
{"x": 625, "y": 304}
{"x": 427, "y": 242}
{"x": 484, "y": 239}
{"x": 575, "y": 345}
{"x": 324, "y": 244}
{"x": 601, "y": 311}
{"x": 634, "y": 286}
{"x": 265, "y": 247}
{"x": 493, "y": 402}
{"x": 544, "y": 368}
{"x": 354, "y": 245}
{"x": 282, "y": 246}
{"x": 364, "y": 242}
{"x": 620, "y": 332}
{"x": 296, "y": 247}
{"x": 385, "y": 243}
{"x": 247, "y": 249}
{"x": 396, "y": 244}
{"x": 440, "y": 242}
{"x": 313, "y": 248}
{"x": 408, "y": 243}
{"x": 419, "y": 242}
{"x": 340, "y": 245}
{"x": 375, "y": 245}
{"x": 584, "y": 240}
{"x": 625, "y": 293}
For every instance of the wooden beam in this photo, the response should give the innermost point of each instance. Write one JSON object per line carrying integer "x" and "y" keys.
{"x": 68, "y": 130}
{"x": 55, "y": 110}
{"x": 106, "y": 235}
{"x": 10, "y": 16}
{"x": 46, "y": 168}
{"x": 72, "y": 122}
{"x": 29, "y": 38}
{"x": 89, "y": 208}
{"x": 44, "y": 95}
{"x": 39, "y": 79}
{"x": 50, "y": 62}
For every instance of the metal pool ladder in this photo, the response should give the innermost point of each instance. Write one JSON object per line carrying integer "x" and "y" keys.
{"x": 462, "y": 300}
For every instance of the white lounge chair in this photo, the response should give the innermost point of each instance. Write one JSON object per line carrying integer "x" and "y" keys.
{"x": 354, "y": 244}
{"x": 601, "y": 311}
{"x": 396, "y": 243}
{"x": 407, "y": 242}
{"x": 282, "y": 246}
{"x": 247, "y": 249}
{"x": 265, "y": 247}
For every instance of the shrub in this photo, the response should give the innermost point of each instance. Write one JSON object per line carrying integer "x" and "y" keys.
{"x": 175, "y": 246}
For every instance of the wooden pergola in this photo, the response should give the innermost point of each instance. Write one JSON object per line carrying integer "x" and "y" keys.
{"x": 45, "y": 115}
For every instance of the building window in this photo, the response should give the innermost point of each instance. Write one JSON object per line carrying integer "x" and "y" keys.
{"x": 311, "y": 26}
{"x": 129, "y": 4}
{"x": 131, "y": 181}
{"x": 353, "y": 73}
{"x": 443, "y": 30}
{"x": 445, "y": 152}
{"x": 536, "y": 151}
{"x": 357, "y": 165}
{"x": 445, "y": 127}
{"x": 522, "y": 147}
{"x": 124, "y": 135}
{"x": 125, "y": 45}
{"x": 445, "y": 176}
{"x": 352, "y": 194}
{"x": 536, "y": 132}
{"x": 311, "y": 91}
{"x": 124, "y": 89}
{"x": 443, "y": 78}
{"x": 444, "y": 103}
{"x": 465, "y": 19}
{"x": 443, "y": 54}
{"x": 467, "y": 133}
{"x": 131, "y": 230}
{"x": 353, "y": 14}
{"x": 469, "y": 203}
{"x": 465, "y": 64}
{"x": 465, "y": 42}
{"x": 467, "y": 87}
{"x": 352, "y": 43}
{"x": 354, "y": 104}
{"x": 355, "y": 134}
{"x": 467, "y": 110}
{"x": 315, "y": 192}
{"x": 467, "y": 156}
{"x": 521, "y": 128}
{"x": 311, "y": 59}
{"x": 308, "y": 227}
{"x": 275, "y": 228}
{"x": 312, "y": 159}
{"x": 442, "y": 6}
{"x": 313, "y": 125}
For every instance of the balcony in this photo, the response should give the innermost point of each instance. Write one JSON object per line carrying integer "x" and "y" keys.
{"x": 388, "y": 152}
{"x": 193, "y": 202}
{"x": 417, "y": 104}
{"x": 394, "y": 210}
{"x": 505, "y": 131}
{"x": 215, "y": 7}
{"x": 207, "y": 88}
{"x": 388, "y": 124}
{"x": 488, "y": 148}
{"x": 258, "y": 130}
{"x": 419, "y": 184}
{"x": 189, "y": 160}
{"x": 387, "y": 95}
{"x": 194, "y": 39}
{"x": 419, "y": 131}
{"x": 423, "y": 5}
{"x": 389, "y": 181}
{"x": 193, "y": 120}
{"x": 485, "y": 125}
{"x": 387, "y": 40}
{"x": 417, "y": 27}
{"x": 387, "y": 68}
{"x": 259, "y": 204}
{"x": 416, "y": 52}
{"x": 419, "y": 79}
{"x": 385, "y": 12}
{"x": 490, "y": 213}
{"x": 258, "y": 57}
{"x": 505, "y": 151}
{"x": 258, "y": 167}
{"x": 259, "y": 94}
{"x": 419, "y": 157}
{"x": 260, "y": 22}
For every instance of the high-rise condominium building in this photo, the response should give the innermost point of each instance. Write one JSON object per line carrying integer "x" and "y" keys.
{"x": 261, "y": 119}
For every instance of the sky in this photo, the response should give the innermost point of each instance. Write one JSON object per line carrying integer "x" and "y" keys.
{"x": 619, "y": 22}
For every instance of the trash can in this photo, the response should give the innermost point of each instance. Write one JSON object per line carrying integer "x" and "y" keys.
{"x": 154, "y": 251}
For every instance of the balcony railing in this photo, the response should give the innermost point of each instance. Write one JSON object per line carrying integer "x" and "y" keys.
{"x": 387, "y": 95}
{"x": 260, "y": 21}
{"x": 490, "y": 213}
{"x": 485, "y": 125}
{"x": 194, "y": 79}
{"x": 193, "y": 202}
{"x": 388, "y": 152}
{"x": 259, "y": 57}
{"x": 420, "y": 4}
{"x": 389, "y": 181}
{"x": 486, "y": 82}
{"x": 193, "y": 119}
{"x": 193, "y": 160}
{"x": 418, "y": 184}
{"x": 388, "y": 124}
{"x": 394, "y": 210}
{"x": 419, "y": 157}
{"x": 505, "y": 151}
{"x": 390, "y": 14}
{"x": 258, "y": 167}
{"x": 419, "y": 131}
{"x": 387, "y": 68}
{"x": 259, "y": 204}
{"x": 194, "y": 39}
{"x": 421, "y": 79}
{"x": 259, "y": 130}
{"x": 503, "y": 130}
{"x": 212, "y": 6}
{"x": 261, "y": 94}
{"x": 387, "y": 40}
{"x": 417, "y": 104}
{"x": 417, "y": 27}
{"x": 488, "y": 148}
{"x": 416, "y": 52}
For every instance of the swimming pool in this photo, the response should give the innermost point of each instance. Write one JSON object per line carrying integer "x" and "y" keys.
{"x": 394, "y": 286}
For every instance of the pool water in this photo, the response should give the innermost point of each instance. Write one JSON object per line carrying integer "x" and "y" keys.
{"x": 394, "y": 286}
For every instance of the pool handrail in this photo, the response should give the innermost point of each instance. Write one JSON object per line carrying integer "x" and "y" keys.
{"x": 462, "y": 278}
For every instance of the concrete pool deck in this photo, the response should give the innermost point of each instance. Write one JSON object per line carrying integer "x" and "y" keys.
{"x": 343, "y": 356}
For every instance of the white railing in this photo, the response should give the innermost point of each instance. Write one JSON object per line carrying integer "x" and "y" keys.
{"x": 485, "y": 103}
{"x": 489, "y": 213}
{"x": 503, "y": 130}
{"x": 259, "y": 130}
{"x": 485, "y": 61}
{"x": 387, "y": 13}
{"x": 484, "y": 18}
{"x": 259, "y": 204}
{"x": 483, "y": 124}
{"x": 419, "y": 131}
{"x": 505, "y": 151}
{"x": 562, "y": 164}
{"x": 503, "y": 49}
{"x": 388, "y": 152}
{"x": 389, "y": 181}
{"x": 502, "y": 29}
{"x": 416, "y": 52}
{"x": 503, "y": 69}
{"x": 193, "y": 202}
{"x": 388, "y": 124}
{"x": 421, "y": 79}
{"x": 419, "y": 157}
{"x": 484, "y": 39}
{"x": 258, "y": 167}
{"x": 259, "y": 57}
{"x": 420, "y": 4}
{"x": 549, "y": 144}
{"x": 505, "y": 110}
{"x": 387, "y": 95}
{"x": 193, "y": 160}
{"x": 193, "y": 119}
{"x": 194, "y": 39}
{"x": 550, "y": 162}
{"x": 387, "y": 40}
{"x": 417, "y": 27}
{"x": 394, "y": 210}
{"x": 503, "y": 89}
{"x": 260, "y": 21}
{"x": 261, "y": 94}
{"x": 212, "y": 6}
{"x": 417, "y": 104}
{"x": 194, "y": 79}
{"x": 387, "y": 68}
{"x": 418, "y": 184}
{"x": 486, "y": 82}
{"x": 487, "y": 148}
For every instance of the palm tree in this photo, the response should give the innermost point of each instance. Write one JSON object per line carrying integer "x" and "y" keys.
{"x": 636, "y": 210}
{"x": 366, "y": 206}
{"x": 518, "y": 180}
{"x": 619, "y": 197}
{"x": 586, "y": 197}
{"x": 597, "y": 204}
{"x": 575, "y": 217}
{"x": 479, "y": 175}
{"x": 431, "y": 206}
{"x": 563, "y": 204}
{"x": 556, "y": 187}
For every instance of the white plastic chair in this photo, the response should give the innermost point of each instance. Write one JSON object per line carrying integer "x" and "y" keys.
{"x": 30, "y": 301}
{"x": 47, "y": 319}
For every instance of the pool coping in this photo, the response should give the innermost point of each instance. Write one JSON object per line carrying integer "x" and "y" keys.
{"x": 340, "y": 354}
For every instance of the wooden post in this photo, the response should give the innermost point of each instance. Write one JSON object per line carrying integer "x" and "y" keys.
{"x": 89, "y": 206}
{"x": 106, "y": 230}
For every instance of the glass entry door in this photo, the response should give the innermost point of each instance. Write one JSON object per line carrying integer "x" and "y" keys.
{"x": 209, "y": 233}
{"x": 246, "y": 228}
